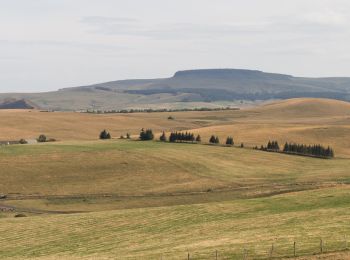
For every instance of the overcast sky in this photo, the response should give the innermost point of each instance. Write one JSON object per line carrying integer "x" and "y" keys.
{"x": 51, "y": 44}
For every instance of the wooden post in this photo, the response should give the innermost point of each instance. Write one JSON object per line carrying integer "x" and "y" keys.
{"x": 188, "y": 256}
{"x": 295, "y": 249}
{"x": 346, "y": 242}
{"x": 245, "y": 254}
{"x": 321, "y": 245}
{"x": 216, "y": 255}
{"x": 271, "y": 250}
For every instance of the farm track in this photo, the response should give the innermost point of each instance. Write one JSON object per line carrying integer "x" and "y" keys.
{"x": 273, "y": 190}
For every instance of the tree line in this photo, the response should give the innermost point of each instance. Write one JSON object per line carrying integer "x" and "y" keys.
{"x": 181, "y": 137}
{"x": 316, "y": 150}
{"x": 151, "y": 110}
{"x": 313, "y": 150}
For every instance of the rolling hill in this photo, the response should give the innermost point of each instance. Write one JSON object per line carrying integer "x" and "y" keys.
{"x": 193, "y": 88}
{"x": 18, "y": 104}
{"x": 84, "y": 198}
{"x": 304, "y": 120}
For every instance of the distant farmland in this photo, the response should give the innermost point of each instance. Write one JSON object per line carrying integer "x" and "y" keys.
{"x": 85, "y": 198}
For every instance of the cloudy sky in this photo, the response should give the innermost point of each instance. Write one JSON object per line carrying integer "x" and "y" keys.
{"x": 51, "y": 44}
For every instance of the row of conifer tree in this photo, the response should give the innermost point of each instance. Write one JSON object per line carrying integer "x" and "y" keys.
{"x": 190, "y": 137}
{"x": 302, "y": 149}
{"x": 314, "y": 150}
{"x": 272, "y": 146}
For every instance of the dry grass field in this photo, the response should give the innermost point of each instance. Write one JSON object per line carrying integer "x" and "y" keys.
{"x": 297, "y": 120}
{"x": 115, "y": 199}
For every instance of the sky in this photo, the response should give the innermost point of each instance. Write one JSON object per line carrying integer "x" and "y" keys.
{"x": 51, "y": 44}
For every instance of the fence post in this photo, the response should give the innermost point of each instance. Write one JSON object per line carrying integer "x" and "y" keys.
{"x": 321, "y": 246}
{"x": 188, "y": 256}
{"x": 295, "y": 249}
{"x": 271, "y": 250}
{"x": 346, "y": 242}
{"x": 216, "y": 255}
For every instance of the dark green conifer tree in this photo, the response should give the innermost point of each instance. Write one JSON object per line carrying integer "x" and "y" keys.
{"x": 163, "y": 137}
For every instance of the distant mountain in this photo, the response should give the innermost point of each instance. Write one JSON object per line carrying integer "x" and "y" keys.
{"x": 18, "y": 104}
{"x": 191, "y": 88}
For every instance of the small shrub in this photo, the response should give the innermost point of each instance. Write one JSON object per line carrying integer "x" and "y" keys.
{"x": 23, "y": 141}
{"x": 171, "y": 118}
{"x": 127, "y": 136}
{"x": 42, "y": 139}
{"x": 20, "y": 215}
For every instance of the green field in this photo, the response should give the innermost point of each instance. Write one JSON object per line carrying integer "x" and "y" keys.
{"x": 147, "y": 200}
{"x": 201, "y": 229}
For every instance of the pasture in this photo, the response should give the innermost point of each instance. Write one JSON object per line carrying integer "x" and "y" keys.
{"x": 105, "y": 199}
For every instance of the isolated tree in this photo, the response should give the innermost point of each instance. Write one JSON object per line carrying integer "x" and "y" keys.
{"x": 212, "y": 139}
{"x": 242, "y": 145}
{"x": 229, "y": 141}
{"x": 163, "y": 137}
{"x": 42, "y": 139}
{"x": 105, "y": 135}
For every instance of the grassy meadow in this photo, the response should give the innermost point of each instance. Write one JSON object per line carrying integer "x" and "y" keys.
{"x": 201, "y": 229}
{"x": 85, "y": 198}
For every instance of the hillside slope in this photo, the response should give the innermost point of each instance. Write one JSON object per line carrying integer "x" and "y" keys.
{"x": 18, "y": 104}
{"x": 194, "y": 88}
{"x": 306, "y": 107}
{"x": 323, "y": 121}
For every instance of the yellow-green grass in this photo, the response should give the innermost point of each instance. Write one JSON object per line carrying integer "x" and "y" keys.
{"x": 201, "y": 229}
{"x": 62, "y": 175}
{"x": 144, "y": 200}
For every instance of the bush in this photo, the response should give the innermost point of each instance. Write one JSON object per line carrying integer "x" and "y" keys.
{"x": 171, "y": 118}
{"x": 127, "y": 136}
{"x": 105, "y": 135}
{"x": 23, "y": 141}
{"x": 42, "y": 139}
{"x": 198, "y": 139}
{"x": 20, "y": 215}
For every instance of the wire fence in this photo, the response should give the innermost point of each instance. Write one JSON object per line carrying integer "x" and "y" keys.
{"x": 275, "y": 250}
